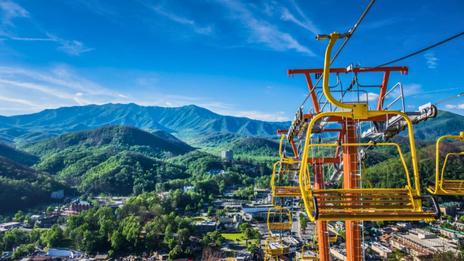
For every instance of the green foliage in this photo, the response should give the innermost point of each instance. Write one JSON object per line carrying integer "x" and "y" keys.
{"x": 16, "y": 155}
{"x": 127, "y": 173}
{"x": 22, "y": 187}
{"x": 214, "y": 239}
{"x": 23, "y": 250}
{"x": 54, "y": 237}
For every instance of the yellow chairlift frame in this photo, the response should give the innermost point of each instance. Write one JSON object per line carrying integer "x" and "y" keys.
{"x": 359, "y": 204}
{"x": 284, "y": 167}
{"x": 366, "y": 203}
{"x": 305, "y": 256}
{"x": 274, "y": 247}
{"x": 443, "y": 186}
{"x": 275, "y": 221}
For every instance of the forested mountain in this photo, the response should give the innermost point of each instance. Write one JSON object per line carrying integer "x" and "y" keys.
{"x": 444, "y": 124}
{"x": 23, "y": 187}
{"x": 186, "y": 121}
{"x": 112, "y": 159}
{"x": 17, "y": 155}
{"x": 121, "y": 136}
{"x": 85, "y": 151}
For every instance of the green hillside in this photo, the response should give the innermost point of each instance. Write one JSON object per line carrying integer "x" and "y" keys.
{"x": 121, "y": 136}
{"x": 127, "y": 173}
{"x": 17, "y": 155}
{"x": 107, "y": 153}
{"x": 445, "y": 123}
{"x": 22, "y": 187}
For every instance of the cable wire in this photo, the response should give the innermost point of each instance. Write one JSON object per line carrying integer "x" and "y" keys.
{"x": 423, "y": 49}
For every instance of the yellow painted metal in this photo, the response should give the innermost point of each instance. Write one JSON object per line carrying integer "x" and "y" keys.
{"x": 307, "y": 255}
{"x": 279, "y": 219}
{"x": 364, "y": 204}
{"x": 284, "y": 167}
{"x": 443, "y": 186}
{"x": 274, "y": 248}
{"x": 357, "y": 110}
{"x": 373, "y": 204}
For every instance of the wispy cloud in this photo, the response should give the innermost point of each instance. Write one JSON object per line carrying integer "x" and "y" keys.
{"x": 381, "y": 23}
{"x": 411, "y": 89}
{"x": 431, "y": 60}
{"x": 183, "y": 20}
{"x": 264, "y": 116}
{"x": 11, "y": 10}
{"x": 304, "y": 22}
{"x": 370, "y": 96}
{"x": 263, "y": 32}
{"x": 455, "y": 106}
{"x": 30, "y": 90}
{"x": 71, "y": 47}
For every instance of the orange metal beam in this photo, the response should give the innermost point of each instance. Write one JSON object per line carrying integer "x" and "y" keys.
{"x": 324, "y": 160}
{"x": 312, "y": 92}
{"x": 321, "y": 226}
{"x": 351, "y": 180}
{"x": 383, "y": 90}
{"x": 401, "y": 69}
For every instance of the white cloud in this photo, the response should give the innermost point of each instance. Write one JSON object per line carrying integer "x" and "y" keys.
{"x": 264, "y": 116}
{"x": 455, "y": 106}
{"x": 18, "y": 101}
{"x": 370, "y": 96}
{"x": 262, "y": 32}
{"x": 71, "y": 47}
{"x": 29, "y": 90}
{"x": 11, "y": 10}
{"x": 411, "y": 89}
{"x": 305, "y": 24}
{"x": 183, "y": 21}
{"x": 431, "y": 60}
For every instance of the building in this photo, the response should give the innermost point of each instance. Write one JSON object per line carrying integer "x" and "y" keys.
{"x": 205, "y": 226}
{"x": 63, "y": 253}
{"x": 75, "y": 207}
{"x": 422, "y": 244}
{"x": 58, "y": 194}
{"x": 227, "y": 155}
{"x": 8, "y": 226}
{"x": 449, "y": 208}
{"x": 383, "y": 251}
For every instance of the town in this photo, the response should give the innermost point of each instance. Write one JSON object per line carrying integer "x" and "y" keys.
{"x": 243, "y": 229}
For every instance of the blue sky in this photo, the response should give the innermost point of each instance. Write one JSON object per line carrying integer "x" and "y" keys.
{"x": 228, "y": 56}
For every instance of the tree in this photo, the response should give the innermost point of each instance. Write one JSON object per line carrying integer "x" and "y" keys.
{"x": 242, "y": 227}
{"x": 214, "y": 239}
{"x": 14, "y": 238}
{"x": 131, "y": 230}
{"x": 19, "y": 216}
{"x": 54, "y": 237}
{"x": 248, "y": 234}
{"x": 23, "y": 250}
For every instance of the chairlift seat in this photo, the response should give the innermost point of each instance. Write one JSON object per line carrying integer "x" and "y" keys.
{"x": 369, "y": 204}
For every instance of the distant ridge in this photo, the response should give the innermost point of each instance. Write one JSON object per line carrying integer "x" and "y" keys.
{"x": 183, "y": 121}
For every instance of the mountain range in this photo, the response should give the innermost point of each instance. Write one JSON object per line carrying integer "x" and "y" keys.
{"x": 185, "y": 122}
{"x": 124, "y": 149}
